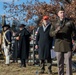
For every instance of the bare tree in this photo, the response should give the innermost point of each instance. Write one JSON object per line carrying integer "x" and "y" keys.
{"x": 34, "y": 8}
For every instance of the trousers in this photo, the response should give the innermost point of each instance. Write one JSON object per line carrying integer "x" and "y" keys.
{"x": 49, "y": 64}
{"x": 7, "y": 55}
{"x": 60, "y": 62}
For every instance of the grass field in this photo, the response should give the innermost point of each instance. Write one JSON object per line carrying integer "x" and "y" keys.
{"x": 14, "y": 69}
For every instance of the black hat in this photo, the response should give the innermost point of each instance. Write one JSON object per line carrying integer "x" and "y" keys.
{"x": 6, "y": 26}
{"x": 22, "y": 25}
{"x": 60, "y": 9}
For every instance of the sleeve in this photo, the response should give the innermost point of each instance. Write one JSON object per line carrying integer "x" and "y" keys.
{"x": 27, "y": 32}
{"x": 73, "y": 31}
{"x": 8, "y": 37}
{"x": 37, "y": 36}
{"x": 52, "y": 32}
{"x": 17, "y": 33}
{"x": 73, "y": 36}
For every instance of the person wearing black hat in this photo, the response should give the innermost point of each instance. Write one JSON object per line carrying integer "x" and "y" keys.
{"x": 23, "y": 44}
{"x": 63, "y": 30}
{"x": 7, "y": 43}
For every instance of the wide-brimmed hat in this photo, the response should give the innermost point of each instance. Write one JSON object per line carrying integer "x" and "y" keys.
{"x": 45, "y": 17}
{"x": 6, "y": 26}
{"x": 22, "y": 25}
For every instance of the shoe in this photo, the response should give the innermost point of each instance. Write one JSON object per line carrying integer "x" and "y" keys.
{"x": 13, "y": 62}
{"x": 41, "y": 72}
{"x": 7, "y": 64}
{"x": 16, "y": 61}
{"x": 22, "y": 65}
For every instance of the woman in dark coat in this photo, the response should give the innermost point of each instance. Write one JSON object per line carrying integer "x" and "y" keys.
{"x": 44, "y": 43}
{"x": 23, "y": 44}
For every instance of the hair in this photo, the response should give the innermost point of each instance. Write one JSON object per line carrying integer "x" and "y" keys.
{"x": 60, "y": 9}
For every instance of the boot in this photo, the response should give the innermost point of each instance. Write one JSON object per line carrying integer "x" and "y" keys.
{"x": 42, "y": 68}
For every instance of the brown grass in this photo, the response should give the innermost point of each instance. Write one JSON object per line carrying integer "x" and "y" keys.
{"x": 14, "y": 69}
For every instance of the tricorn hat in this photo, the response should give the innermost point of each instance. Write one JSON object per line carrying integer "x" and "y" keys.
{"x": 6, "y": 26}
{"x": 22, "y": 25}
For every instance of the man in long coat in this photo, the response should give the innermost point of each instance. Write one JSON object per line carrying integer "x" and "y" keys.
{"x": 23, "y": 44}
{"x": 44, "y": 44}
{"x": 63, "y": 30}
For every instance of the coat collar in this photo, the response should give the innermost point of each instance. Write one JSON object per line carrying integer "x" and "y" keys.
{"x": 45, "y": 27}
{"x": 63, "y": 22}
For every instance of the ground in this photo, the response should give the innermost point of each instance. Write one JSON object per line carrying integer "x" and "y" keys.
{"x": 14, "y": 69}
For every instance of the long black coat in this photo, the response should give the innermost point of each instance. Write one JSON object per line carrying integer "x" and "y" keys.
{"x": 44, "y": 41}
{"x": 15, "y": 46}
{"x": 24, "y": 44}
{"x": 15, "y": 49}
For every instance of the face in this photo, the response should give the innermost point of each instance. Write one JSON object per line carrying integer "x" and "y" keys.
{"x": 61, "y": 14}
{"x": 20, "y": 28}
{"x": 45, "y": 22}
{"x": 5, "y": 28}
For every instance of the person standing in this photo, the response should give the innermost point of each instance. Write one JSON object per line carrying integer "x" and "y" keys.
{"x": 15, "y": 45}
{"x": 63, "y": 30}
{"x": 7, "y": 43}
{"x": 44, "y": 44}
{"x": 23, "y": 44}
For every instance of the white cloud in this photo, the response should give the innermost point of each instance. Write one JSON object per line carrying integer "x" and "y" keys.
{"x": 7, "y": 0}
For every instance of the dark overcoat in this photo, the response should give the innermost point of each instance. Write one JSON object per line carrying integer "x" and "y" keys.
{"x": 63, "y": 38}
{"x": 24, "y": 44}
{"x": 44, "y": 41}
{"x": 15, "y": 48}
